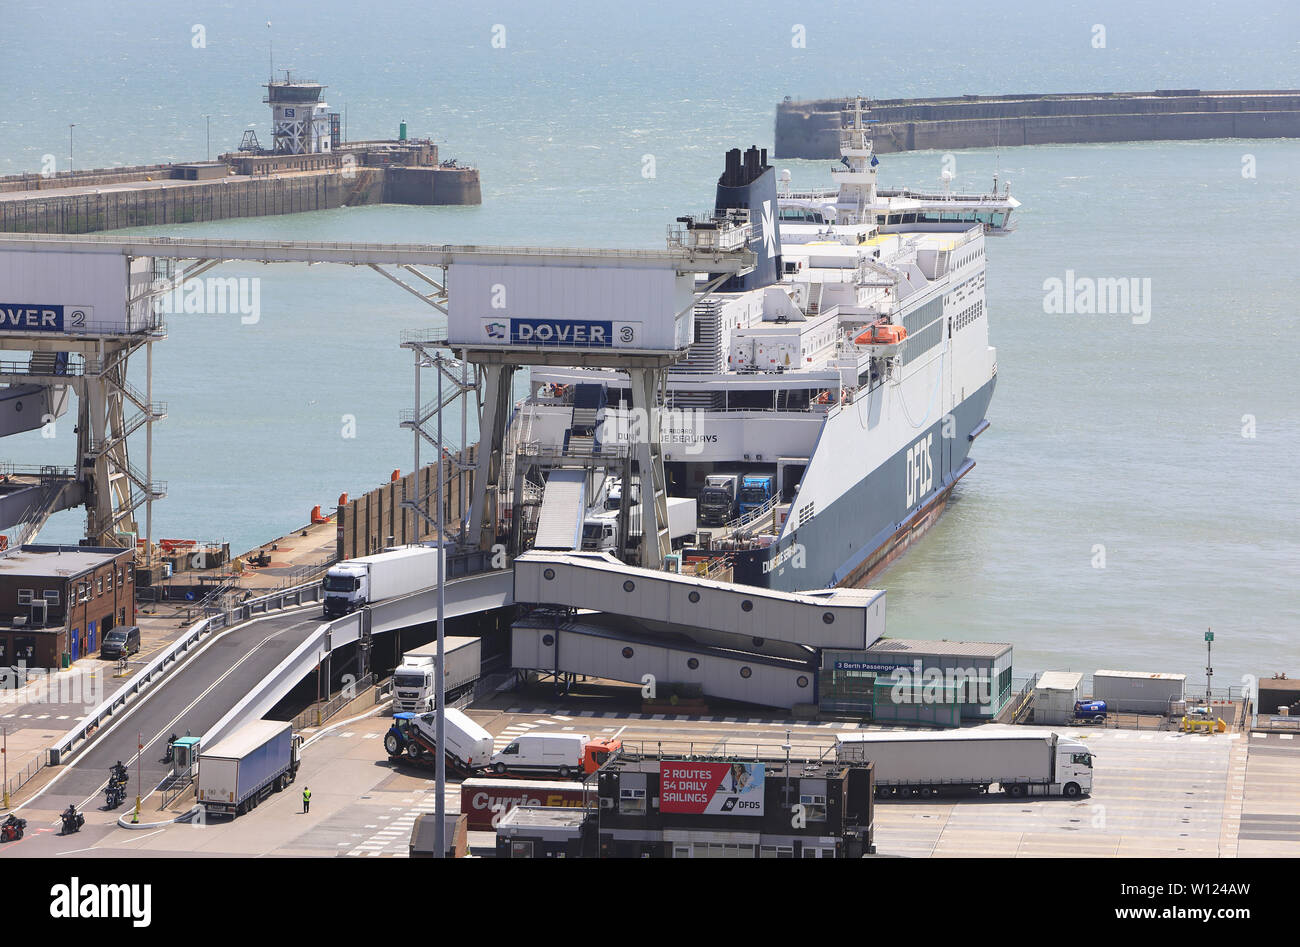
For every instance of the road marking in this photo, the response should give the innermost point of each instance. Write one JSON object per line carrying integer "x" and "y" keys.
{"x": 369, "y": 736}
{"x": 345, "y": 735}
{"x": 558, "y": 717}
{"x": 1286, "y": 736}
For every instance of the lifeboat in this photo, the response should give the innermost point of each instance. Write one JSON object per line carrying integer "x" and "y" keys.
{"x": 881, "y": 333}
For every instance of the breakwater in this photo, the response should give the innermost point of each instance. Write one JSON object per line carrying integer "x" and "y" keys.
{"x": 810, "y": 129}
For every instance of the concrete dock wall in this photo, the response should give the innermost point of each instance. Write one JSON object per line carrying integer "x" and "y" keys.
{"x": 371, "y": 522}
{"x": 811, "y": 129}
{"x": 231, "y": 197}
{"x": 181, "y": 204}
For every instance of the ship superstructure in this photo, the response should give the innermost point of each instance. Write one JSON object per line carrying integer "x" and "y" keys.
{"x": 842, "y": 381}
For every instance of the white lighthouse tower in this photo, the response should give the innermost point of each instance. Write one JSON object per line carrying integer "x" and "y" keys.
{"x": 300, "y": 121}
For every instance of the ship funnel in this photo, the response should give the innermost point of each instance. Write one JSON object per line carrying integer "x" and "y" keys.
{"x": 748, "y": 183}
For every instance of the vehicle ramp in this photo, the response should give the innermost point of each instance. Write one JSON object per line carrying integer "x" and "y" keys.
{"x": 851, "y": 619}
{"x": 564, "y": 503}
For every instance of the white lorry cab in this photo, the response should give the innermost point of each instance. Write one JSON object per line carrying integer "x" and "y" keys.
{"x": 559, "y": 753}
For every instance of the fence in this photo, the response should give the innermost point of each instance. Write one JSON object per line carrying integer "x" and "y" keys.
{"x": 318, "y": 713}
{"x": 78, "y": 736}
{"x": 15, "y": 783}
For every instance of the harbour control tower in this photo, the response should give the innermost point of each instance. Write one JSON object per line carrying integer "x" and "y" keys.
{"x": 301, "y": 124}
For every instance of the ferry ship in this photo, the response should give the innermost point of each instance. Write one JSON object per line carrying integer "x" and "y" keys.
{"x": 848, "y": 373}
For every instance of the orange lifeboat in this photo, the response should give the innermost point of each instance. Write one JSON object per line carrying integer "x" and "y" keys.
{"x": 881, "y": 333}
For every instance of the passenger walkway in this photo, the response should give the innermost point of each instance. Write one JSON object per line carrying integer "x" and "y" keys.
{"x": 851, "y": 619}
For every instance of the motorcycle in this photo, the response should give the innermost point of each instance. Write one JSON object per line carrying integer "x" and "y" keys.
{"x": 170, "y": 753}
{"x": 72, "y": 820}
{"x": 12, "y": 829}
{"x": 115, "y": 792}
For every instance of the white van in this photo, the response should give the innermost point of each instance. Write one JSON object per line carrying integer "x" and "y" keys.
{"x": 559, "y": 753}
{"x": 468, "y": 744}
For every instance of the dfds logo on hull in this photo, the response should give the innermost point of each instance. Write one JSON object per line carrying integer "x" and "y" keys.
{"x": 920, "y": 469}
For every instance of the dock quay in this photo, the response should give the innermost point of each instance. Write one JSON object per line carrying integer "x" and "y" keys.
{"x": 811, "y": 128}
{"x": 307, "y": 167}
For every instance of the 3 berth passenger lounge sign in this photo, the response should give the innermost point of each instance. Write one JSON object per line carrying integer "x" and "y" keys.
{"x": 711, "y": 788}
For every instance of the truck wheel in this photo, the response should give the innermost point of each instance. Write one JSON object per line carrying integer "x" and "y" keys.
{"x": 499, "y": 768}
{"x": 391, "y": 745}
{"x": 1072, "y": 789}
{"x": 413, "y": 750}
{"x": 564, "y": 772}
{"x": 1016, "y": 790}
{"x": 927, "y": 792}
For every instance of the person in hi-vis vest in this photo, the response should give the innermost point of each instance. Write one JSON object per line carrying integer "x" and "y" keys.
{"x": 306, "y": 799}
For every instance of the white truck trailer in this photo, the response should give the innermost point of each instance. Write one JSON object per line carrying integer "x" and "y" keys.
{"x": 413, "y": 681}
{"x": 241, "y": 770}
{"x": 468, "y": 746}
{"x": 1020, "y": 762}
{"x": 351, "y": 584}
{"x": 600, "y": 532}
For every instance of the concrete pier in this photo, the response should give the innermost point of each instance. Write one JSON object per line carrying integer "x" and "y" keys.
{"x": 237, "y": 185}
{"x": 811, "y": 129}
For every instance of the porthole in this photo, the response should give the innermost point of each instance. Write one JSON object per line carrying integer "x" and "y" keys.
{"x": 693, "y": 663}
{"x": 801, "y": 680}
{"x": 746, "y": 606}
{"x": 746, "y": 671}
{"x": 694, "y": 596}
{"x": 627, "y": 652}
{"x": 629, "y": 585}
{"x": 828, "y": 618}
{"x": 758, "y": 642}
{"x": 548, "y": 640}
{"x": 548, "y": 574}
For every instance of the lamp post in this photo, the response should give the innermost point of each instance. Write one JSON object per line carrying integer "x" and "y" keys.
{"x": 207, "y": 119}
{"x": 71, "y": 164}
{"x": 440, "y": 694}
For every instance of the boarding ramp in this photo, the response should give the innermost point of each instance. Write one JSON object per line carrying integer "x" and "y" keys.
{"x": 550, "y": 643}
{"x": 559, "y": 524}
{"x": 850, "y": 619}
{"x": 463, "y": 595}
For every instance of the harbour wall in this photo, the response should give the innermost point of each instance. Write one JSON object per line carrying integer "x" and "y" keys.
{"x": 378, "y": 519}
{"x": 181, "y": 194}
{"x": 810, "y": 129}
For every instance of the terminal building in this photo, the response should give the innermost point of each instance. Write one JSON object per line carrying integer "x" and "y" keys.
{"x": 688, "y": 808}
{"x": 58, "y": 602}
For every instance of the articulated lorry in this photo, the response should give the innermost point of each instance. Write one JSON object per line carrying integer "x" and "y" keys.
{"x": 485, "y": 801}
{"x": 243, "y": 769}
{"x": 413, "y": 681}
{"x": 1021, "y": 762}
{"x": 354, "y": 583}
{"x": 600, "y": 532}
{"x": 468, "y": 746}
{"x": 718, "y": 499}
{"x": 755, "y": 490}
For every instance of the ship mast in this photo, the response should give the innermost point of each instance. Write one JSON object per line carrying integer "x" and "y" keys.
{"x": 857, "y": 177}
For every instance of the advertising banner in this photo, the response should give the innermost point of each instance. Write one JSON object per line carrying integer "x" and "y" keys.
{"x": 711, "y": 788}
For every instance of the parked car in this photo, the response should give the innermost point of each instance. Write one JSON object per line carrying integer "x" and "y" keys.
{"x": 121, "y": 642}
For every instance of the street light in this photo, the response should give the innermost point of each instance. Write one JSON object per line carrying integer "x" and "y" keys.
{"x": 208, "y": 122}
{"x": 70, "y": 161}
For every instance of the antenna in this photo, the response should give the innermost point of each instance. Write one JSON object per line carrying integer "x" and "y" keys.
{"x": 270, "y": 51}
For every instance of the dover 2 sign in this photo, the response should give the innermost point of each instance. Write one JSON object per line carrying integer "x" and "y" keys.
{"x": 711, "y": 788}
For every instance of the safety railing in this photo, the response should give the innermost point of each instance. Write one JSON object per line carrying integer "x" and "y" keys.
{"x": 319, "y": 712}
{"x": 76, "y": 738}
{"x": 724, "y": 750}
{"x": 24, "y": 775}
{"x": 442, "y": 252}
